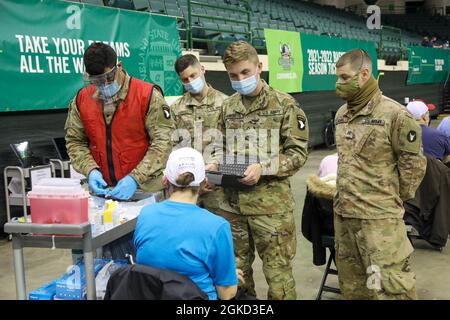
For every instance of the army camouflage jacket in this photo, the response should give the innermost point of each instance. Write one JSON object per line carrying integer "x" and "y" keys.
{"x": 197, "y": 117}
{"x": 275, "y": 133}
{"x": 159, "y": 125}
{"x": 381, "y": 162}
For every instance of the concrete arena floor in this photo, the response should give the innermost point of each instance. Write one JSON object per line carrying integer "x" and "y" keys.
{"x": 431, "y": 267}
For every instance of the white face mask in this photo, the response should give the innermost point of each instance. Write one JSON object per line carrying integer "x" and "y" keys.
{"x": 195, "y": 86}
{"x": 245, "y": 86}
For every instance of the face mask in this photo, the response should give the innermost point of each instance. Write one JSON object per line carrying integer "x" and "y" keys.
{"x": 348, "y": 90}
{"x": 109, "y": 90}
{"x": 195, "y": 86}
{"x": 246, "y": 86}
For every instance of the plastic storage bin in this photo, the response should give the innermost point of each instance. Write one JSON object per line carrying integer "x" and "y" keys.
{"x": 72, "y": 285}
{"x": 46, "y": 292}
{"x": 59, "y": 200}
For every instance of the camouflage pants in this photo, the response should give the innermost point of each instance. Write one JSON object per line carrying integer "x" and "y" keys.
{"x": 372, "y": 258}
{"x": 213, "y": 201}
{"x": 275, "y": 240}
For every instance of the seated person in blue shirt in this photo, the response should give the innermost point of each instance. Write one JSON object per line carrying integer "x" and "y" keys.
{"x": 435, "y": 143}
{"x": 444, "y": 126}
{"x": 178, "y": 235}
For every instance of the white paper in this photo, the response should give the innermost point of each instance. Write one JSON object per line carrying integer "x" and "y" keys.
{"x": 15, "y": 186}
{"x": 37, "y": 175}
{"x": 74, "y": 174}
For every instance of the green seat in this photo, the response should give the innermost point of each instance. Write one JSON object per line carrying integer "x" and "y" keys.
{"x": 141, "y": 5}
{"x": 122, "y": 4}
{"x": 210, "y": 29}
{"x": 157, "y": 7}
{"x": 96, "y": 2}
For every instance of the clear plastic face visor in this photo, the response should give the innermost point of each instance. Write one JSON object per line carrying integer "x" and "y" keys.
{"x": 100, "y": 79}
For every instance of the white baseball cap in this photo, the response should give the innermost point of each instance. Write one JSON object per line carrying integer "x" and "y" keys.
{"x": 185, "y": 160}
{"x": 417, "y": 109}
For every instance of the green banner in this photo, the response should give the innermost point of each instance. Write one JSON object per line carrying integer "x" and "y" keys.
{"x": 42, "y": 44}
{"x": 427, "y": 65}
{"x": 285, "y": 60}
{"x": 313, "y": 57}
{"x": 320, "y": 54}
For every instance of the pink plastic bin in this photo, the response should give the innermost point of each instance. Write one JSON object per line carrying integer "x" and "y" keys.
{"x": 59, "y": 202}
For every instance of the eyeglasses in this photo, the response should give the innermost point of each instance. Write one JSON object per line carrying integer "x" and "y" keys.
{"x": 101, "y": 79}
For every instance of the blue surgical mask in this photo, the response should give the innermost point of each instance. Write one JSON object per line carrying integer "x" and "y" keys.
{"x": 246, "y": 86}
{"x": 109, "y": 90}
{"x": 195, "y": 86}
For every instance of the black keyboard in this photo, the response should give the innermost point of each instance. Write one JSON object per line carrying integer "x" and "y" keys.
{"x": 235, "y": 169}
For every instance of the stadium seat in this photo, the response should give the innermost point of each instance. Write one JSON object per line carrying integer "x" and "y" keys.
{"x": 141, "y": 5}
{"x": 122, "y": 4}
{"x": 95, "y": 2}
{"x": 157, "y": 6}
{"x": 174, "y": 12}
{"x": 300, "y": 16}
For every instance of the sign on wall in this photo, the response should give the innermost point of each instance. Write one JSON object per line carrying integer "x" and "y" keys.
{"x": 304, "y": 62}
{"x": 41, "y": 54}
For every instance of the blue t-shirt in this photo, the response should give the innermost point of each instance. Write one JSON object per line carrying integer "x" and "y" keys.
{"x": 187, "y": 239}
{"x": 435, "y": 143}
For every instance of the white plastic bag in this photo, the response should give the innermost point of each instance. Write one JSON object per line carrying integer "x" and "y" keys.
{"x": 102, "y": 278}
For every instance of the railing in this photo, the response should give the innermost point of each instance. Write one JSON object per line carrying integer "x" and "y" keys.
{"x": 245, "y": 10}
{"x": 391, "y": 38}
{"x": 191, "y": 32}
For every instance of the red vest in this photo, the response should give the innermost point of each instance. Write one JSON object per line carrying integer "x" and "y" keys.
{"x": 120, "y": 146}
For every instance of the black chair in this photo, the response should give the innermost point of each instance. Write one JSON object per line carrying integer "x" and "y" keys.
{"x": 317, "y": 227}
{"x": 140, "y": 282}
{"x": 328, "y": 242}
{"x": 427, "y": 213}
{"x": 325, "y": 210}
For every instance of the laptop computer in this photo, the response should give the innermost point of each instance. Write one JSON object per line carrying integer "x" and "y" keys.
{"x": 23, "y": 152}
{"x": 60, "y": 146}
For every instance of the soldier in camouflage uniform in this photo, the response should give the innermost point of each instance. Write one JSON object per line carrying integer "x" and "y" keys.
{"x": 381, "y": 164}
{"x": 196, "y": 114}
{"x": 135, "y": 127}
{"x": 263, "y": 215}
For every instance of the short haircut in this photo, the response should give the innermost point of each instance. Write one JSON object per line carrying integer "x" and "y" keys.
{"x": 239, "y": 51}
{"x": 357, "y": 58}
{"x": 186, "y": 61}
{"x": 99, "y": 56}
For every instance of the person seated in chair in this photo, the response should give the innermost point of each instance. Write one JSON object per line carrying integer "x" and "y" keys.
{"x": 179, "y": 236}
{"x": 317, "y": 215}
{"x": 444, "y": 126}
{"x": 328, "y": 167}
{"x": 435, "y": 143}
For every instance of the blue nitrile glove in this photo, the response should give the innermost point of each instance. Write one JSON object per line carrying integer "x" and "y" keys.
{"x": 97, "y": 183}
{"x": 125, "y": 189}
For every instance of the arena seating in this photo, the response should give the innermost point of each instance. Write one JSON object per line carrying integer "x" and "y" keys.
{"x": 213, "y": 26}
{"x": 423, "y": 24}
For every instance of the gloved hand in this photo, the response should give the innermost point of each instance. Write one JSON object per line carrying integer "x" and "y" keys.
{"x": 125, "y": 189}
{"x": 97, "y": 183}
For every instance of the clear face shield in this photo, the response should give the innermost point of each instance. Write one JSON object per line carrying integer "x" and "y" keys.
{"x": 100, "y": 79}
{"x": 106, "y": 83}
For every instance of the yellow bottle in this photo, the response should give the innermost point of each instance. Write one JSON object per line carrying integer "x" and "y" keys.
{"x": 108, "y": 219}
{"x": 111, "y": 205}
{"x": 107, "y": 216}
